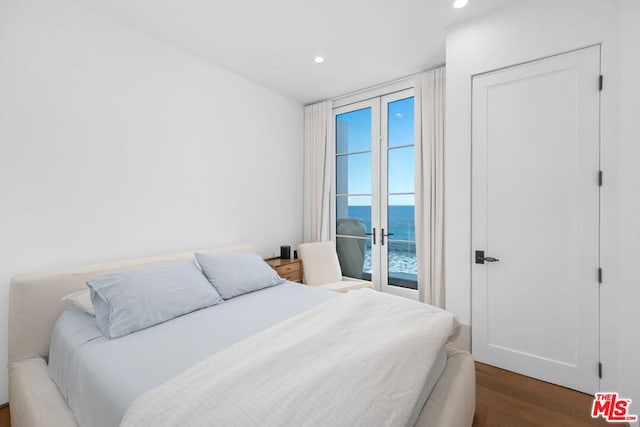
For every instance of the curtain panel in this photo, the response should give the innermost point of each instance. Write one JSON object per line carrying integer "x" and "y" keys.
{"x": 429, "y": 167}
{"x": 317, "y": 172}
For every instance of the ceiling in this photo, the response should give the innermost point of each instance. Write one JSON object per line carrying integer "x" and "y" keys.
{"x": 273, "y": 43}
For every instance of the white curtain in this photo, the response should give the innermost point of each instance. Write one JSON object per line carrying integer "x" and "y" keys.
{"x": 429, "y": 127}
{"x": 317, "y": 172}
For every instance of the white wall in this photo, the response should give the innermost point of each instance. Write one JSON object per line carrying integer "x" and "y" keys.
{"x": 115, "y": 145}
{"x": 525, "y": 31}
{"x": 629, "y": 295}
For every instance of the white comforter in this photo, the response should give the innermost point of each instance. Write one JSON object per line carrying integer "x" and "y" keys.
{"x": 360, "y": 359}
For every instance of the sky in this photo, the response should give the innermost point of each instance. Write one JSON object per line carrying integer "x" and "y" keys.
{"x": 357, "y": 125}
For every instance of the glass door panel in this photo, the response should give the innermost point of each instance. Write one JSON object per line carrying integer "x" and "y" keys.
{"x": 400, "y": 122}
{"x": 353, "y": 131}
{"x": 401, "y": 218}
{"x": 353, "y": 226}
{"x": 403, "y": 271}
{"x": 354, "y": 255}
{"x": 400, "y": 266}
{"x": 401, "y": 246}
{"x": 353, "y": 173}
{"x": 355, "y": 189}
{"x": 401, "y": 176}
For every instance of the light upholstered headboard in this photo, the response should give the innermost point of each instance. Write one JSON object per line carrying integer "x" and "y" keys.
{"x": 35, "y": 300}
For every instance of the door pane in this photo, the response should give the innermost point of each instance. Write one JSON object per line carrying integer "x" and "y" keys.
{"x": 352, "y": 252}
{"x": 353, "y": 215}
{"x": 353, "y": 174}
{"x": 400, "y": 122}
{"x": 353, "y": 131}
{"x": 400, "y": 217}
{"x": 403, "y": 268}
{"x": 402, "y": 261}
{"x": 401, "y": 170}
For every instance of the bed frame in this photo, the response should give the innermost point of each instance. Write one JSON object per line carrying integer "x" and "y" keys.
{"x": 35, "y": 305}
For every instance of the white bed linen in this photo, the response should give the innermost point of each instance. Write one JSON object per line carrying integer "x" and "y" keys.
{"x": 99, "y": 378}
{"x": 358, "y": 360}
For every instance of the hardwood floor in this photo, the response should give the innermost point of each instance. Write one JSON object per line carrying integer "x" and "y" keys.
{"x": 508, "y": 399}
{"x": 4, "y": 416}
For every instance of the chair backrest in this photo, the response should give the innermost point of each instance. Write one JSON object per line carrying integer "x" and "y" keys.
{"x": 320, "y": 263}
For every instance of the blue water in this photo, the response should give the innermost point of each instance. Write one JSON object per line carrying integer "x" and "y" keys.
{"x": 401, "y": 246}
{"x": 401, "y": 220}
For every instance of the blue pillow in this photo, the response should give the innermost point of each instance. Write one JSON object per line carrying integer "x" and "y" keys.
{"x": 234, "y": 274}
{"x": 130, "y": 300}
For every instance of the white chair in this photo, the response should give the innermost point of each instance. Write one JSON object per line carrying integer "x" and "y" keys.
{"x": 322, "y": 269}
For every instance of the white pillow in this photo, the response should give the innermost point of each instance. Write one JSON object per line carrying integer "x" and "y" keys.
{"x": 82, "y": 300}
{"x": 129, "y": 300}
{"x": 233, "y": 274}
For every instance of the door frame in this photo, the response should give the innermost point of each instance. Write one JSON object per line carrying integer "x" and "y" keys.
{"x": 373, "y": 99}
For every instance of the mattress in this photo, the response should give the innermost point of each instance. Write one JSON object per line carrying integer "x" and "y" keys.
{"x": 100, "y": 378}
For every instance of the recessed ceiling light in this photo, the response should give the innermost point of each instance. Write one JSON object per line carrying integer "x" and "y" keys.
{"x": 318, "y": 59}
{"x": 460, "y": 3}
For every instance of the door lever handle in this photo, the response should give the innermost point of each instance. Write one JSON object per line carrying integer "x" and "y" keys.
{"x": 373, "y": 233}
{"x": 382, "y": 236}
{"x": 481, "y": 259}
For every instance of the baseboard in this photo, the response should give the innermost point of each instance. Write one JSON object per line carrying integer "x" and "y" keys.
{"x": 4, "y": 405}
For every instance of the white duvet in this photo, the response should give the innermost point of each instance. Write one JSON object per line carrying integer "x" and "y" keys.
{"x": 360, "y": 359}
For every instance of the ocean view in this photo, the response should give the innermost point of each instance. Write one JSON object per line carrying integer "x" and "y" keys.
{"x": 401, "y": 245}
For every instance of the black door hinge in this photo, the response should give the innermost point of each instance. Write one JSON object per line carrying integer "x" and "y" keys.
{"x": 600, "y": 275}
{"x": 600, "y": 178}
{"x": 599, "y": 370}
{"x": 601, "y": 82}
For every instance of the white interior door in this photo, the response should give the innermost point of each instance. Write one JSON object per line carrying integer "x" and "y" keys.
{"x": 535, "y": 208}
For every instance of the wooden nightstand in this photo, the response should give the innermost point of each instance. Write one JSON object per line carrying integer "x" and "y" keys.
{"x": 290, "y": 269}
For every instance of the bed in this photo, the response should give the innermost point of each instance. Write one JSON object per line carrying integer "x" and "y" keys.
{"x": 41, "y": 394}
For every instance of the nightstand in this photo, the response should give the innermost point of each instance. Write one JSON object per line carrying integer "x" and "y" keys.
{"x": 290, "y": 269}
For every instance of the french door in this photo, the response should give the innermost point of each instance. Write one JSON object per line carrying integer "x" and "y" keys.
{"x": 374, "y": 192}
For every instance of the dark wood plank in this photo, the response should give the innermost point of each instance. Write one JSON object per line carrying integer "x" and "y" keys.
{"x": 4, "y": 416}
{"x": 505, "y": 398}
